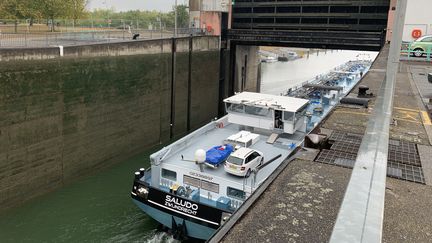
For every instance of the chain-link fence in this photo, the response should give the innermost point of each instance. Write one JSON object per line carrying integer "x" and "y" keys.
{"x": 28, "y": 33}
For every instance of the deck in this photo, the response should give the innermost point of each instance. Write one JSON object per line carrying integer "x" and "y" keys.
{"x": 217, "y": 136}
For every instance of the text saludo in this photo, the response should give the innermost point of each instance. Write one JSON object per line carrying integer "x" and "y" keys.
{"x": 181, "y": 205}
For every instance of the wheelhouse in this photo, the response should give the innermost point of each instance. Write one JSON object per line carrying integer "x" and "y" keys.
{"x": 280, "y": 114}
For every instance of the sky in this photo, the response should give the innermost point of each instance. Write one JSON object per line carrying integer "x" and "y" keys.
{"x": 124, "y": 5}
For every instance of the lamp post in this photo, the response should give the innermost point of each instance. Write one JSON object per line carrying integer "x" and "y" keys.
{"x": 175, "y": 19}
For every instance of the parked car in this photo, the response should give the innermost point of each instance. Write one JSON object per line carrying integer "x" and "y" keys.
{"x": 421, "y": 46}
{"x": 242, "y": 161}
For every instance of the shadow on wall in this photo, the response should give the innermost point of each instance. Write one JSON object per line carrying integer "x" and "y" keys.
{"x": 64, "y": 117}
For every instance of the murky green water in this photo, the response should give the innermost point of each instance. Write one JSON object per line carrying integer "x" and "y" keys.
{"x": 95, "y": 208}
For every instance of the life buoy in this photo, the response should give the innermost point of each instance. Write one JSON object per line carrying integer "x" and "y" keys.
{"x": 416, "y": 33}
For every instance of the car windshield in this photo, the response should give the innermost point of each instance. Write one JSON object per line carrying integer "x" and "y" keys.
{"x": 422, "y": 39}
{"x": 235, "y": 160}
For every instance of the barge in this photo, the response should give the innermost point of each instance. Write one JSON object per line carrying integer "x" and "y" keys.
{"x": 196, "y": 183}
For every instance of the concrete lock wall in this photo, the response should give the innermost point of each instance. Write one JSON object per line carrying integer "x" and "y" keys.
{"x": 246, "y": 69}
{"x": 62, "y": 117}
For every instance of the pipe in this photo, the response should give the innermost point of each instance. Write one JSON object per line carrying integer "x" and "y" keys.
{"x": 355, "y": 101}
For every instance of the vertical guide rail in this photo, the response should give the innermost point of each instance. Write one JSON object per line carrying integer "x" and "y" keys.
{"x": 361, "y": 215}
{"x": 173, "y": 85}
{"x": 189, "y": 100}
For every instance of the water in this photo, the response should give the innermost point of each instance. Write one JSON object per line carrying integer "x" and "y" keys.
{"x": 97, "y": 208}
{"x": 278, "y": 77}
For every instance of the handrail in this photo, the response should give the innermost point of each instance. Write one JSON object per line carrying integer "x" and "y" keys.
{"x": 361, "y": 216}
{"x": 410, "y": 51}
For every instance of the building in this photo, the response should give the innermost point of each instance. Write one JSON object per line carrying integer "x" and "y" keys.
{"x": 208, "y": 15}
{"x": 418, "y": 19}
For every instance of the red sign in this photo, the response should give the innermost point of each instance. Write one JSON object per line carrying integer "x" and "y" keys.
{"x": 416, "y": 33}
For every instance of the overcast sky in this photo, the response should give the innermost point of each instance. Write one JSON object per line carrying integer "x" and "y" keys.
{"x": 124, "y": 5}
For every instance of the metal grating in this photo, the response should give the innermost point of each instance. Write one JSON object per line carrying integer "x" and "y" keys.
{"x": 405, "y": 147}
{"x": 395, "y": 170}
{"x": 409, "y": 172}
{"x": 345, "y": 137}
{"x": 330, "y": 157}
{"x": 347, "y": 147}
{"x": 404, "y": 158}
{"x": 394, "y": 142}
{"x": 337, "y": 136}
{"x": 399, "y": 151}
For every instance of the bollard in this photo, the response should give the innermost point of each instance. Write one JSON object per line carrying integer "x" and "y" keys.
{"x": 137, "y": 175}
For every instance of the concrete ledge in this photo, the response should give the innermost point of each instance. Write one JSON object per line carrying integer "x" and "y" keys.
{"x": 29, "y": 54}
{"x": 124, "y": 48}
{"x": 425, "y": 153}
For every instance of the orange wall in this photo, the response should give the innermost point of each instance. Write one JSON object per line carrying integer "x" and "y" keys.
{"x": 391, "y": 19}
{"x": 212, "y": 21}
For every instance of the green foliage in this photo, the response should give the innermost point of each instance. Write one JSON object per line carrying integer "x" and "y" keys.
{"x": 76, "y": 9}
{"x": 54, "y": 10}
{"x": 18, "y": 9}
{"x": 145, "y": 18}
{"x": 42, "y": 9}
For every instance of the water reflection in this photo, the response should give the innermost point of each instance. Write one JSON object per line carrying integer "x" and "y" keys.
{"x": 278, "y": 77}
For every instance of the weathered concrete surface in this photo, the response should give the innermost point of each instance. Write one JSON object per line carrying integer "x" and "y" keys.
{"x": 300, "y": 206}
{"x": 64, "y": 117}
{"x": 407, "y": 215}
{"x": 246, "y": 68}
{"x": 425, "y": 153}
{"x": 125, "y": 48}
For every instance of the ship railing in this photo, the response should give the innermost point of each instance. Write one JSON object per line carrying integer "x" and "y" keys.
{"x": 339, "y": 69}
{"x": 147, "y": 174}
{"x": 251, "y": 180}
{"x": 160, "y": 156}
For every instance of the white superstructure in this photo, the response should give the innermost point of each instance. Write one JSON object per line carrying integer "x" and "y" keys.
{"x": 279, "y": 114}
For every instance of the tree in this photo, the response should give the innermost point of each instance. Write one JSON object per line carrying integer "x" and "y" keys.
{"x": 76, "y": 9}
{"x": 52, "y": 9}
{"x": 182, "y": 16}
{"x": 17, "y": 9}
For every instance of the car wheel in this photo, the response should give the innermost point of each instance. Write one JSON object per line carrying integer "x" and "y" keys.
{"x": 248, "y": 173}
{"x": 418, "y": 52}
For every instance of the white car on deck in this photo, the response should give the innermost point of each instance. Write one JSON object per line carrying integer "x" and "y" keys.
{"x": 242, "y": 161}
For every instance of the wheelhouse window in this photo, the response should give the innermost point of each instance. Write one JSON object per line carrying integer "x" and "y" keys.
{"x": 169, "y": 174}
{"x": 257, "y": 111}
{"x": 236, "y": 193}
{"x": 300, "y": 113}
{"x": 288, "y": 116}
{"x": 235, "y": 107}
